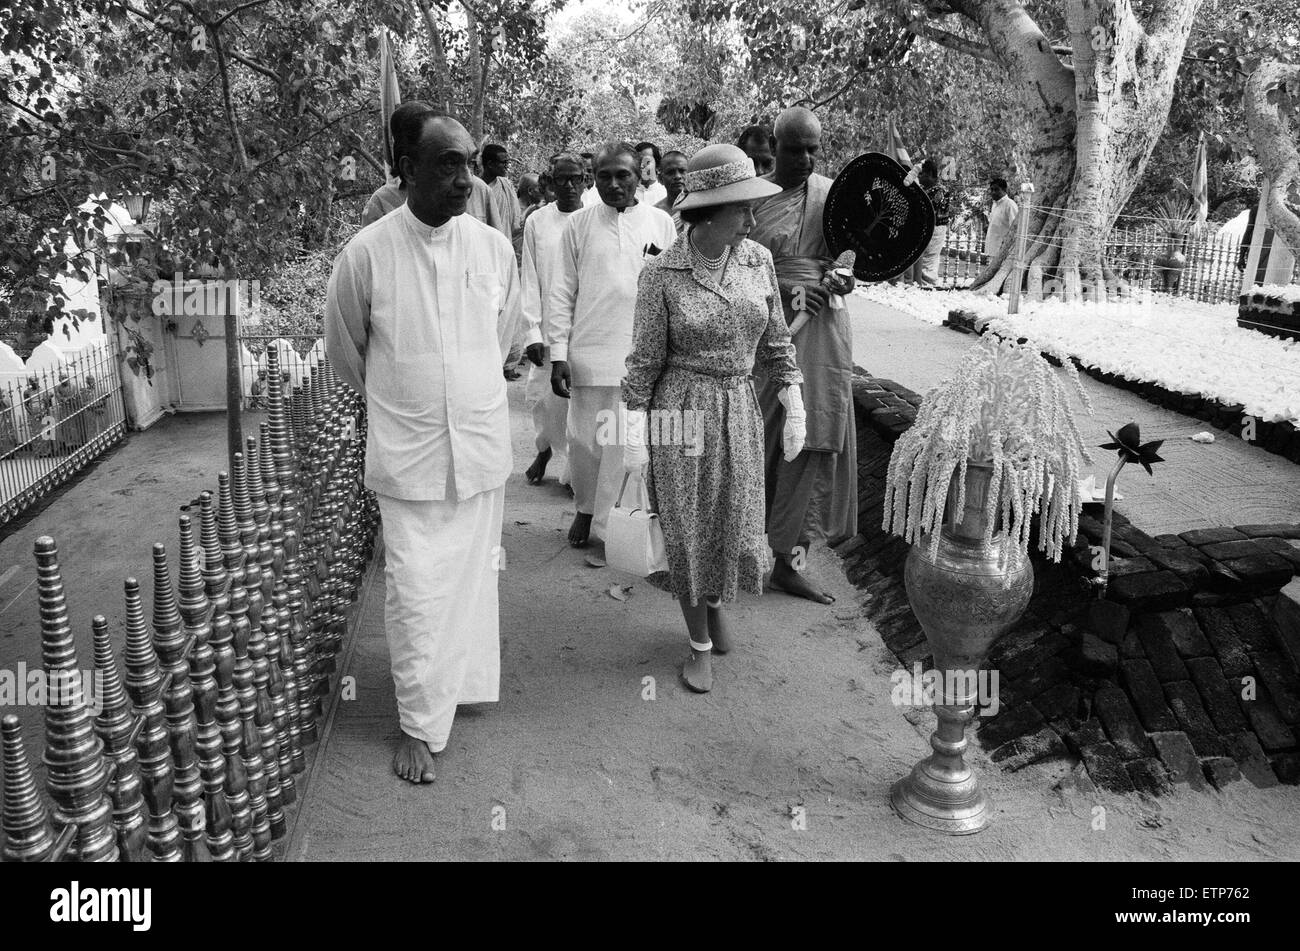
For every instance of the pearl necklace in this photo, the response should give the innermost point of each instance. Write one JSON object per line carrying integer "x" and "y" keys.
{"x": 710, "y": 264}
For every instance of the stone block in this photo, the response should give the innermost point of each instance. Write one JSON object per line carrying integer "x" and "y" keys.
{"x": 1135, "y": 537}
{"x": 1283, "y": 685}
{"x": 1130, "y": 565}
{"x": 1211, "y": 536}
{"x": 1010, "y": 724}
{"x": 1223, "y": 551}
{"x": 1252, "y": 627}
{"x": 1181, "y": 562}
{"x": 1149, "y": 776}
{"x": 1273, "y": 733}
{"x": 1170, "y": 541}
{"x": 1106, "y": 767}
{"x": 1185, "y": 700}
{"x": 1180, "y": 760}
{"x": 1095, "y": 657}
{"x": 1047, "y": 673}
{"x": 1087, "y": 733}
{"x": 1058, "y": 703}
{"x": 1284, "y": 548}
{"x": 1108, "y": 620}
{"x": 1159, "y": 648}
{"x": 1147, "y": 696}
{"x": 1274, "y": 530}
{"x": 1219, "y": 631}
{"x": 1219, "y": 701}
{"x": 1131, "y": 647}
{"x": 1287, "y": 768}
{"x": 1286, "y": 619}
{"x": 1254, "y": 765}
{"x": 1152, "y": 591}
{"x": 1121, "y": 722}
{"x": 1267, "y": 570}
{"x": 1020, "y": 752}
{"x": 1221, "y": 771}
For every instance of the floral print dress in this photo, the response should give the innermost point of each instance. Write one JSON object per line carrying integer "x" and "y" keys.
{"x": 694, "y": 344}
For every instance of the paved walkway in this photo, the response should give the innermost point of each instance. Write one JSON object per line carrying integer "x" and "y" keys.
{"x": 1227, "y": 482}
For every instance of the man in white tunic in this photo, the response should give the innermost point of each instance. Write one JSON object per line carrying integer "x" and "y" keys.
{"x": 422, "y": 308}
{"x": 1002, "y": 218}
{"x": 590, "y": 333}
{"x": 507, "y": 215}
{"x": 542, "y": 256}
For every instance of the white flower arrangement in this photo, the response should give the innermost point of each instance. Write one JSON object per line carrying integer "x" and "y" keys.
{"x": 1005, "y": 408}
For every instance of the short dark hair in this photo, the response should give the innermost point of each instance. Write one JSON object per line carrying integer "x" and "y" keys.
{"x": 654, "y": 150}
{"x": 694, "y": 216}
{"x": 614, "y": 149}
{"x": 406, "y": 125}
{"x": 674, "y": 152}
{"x": 1001, "y": 183}
{"x": 493, "y": 151}
{"x": 930, "y": 167}
{"x": 587, "y": 155}
{"x": 763, "y": 132}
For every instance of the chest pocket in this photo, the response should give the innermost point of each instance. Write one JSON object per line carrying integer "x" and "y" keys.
{"x": 484, "y": 293}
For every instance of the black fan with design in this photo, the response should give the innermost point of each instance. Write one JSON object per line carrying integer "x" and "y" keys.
{"x": 871, "y": 212}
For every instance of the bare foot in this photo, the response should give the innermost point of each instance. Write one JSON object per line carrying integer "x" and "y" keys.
{"x": 698, "y": 672}
{"x": 413, "y": 761}
{"x": 719, "y": 629}
{"x": 537, "y": 471}
{"x": 579, "y": 530}
{"x": 784, "y": 578}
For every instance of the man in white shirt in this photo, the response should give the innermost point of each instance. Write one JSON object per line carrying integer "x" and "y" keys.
{"x": 589, "y": 195}
{"x": 1002, "y": 219}
{"x": 542, "y": 263}
{"x": 652, "y": 190}
{"x": 673, "y": 176}
{"x": 590, "y": 326}
{"x": 422, "y": 308}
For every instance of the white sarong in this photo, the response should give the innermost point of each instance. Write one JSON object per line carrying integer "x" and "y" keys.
{"x": 440, "y": 608}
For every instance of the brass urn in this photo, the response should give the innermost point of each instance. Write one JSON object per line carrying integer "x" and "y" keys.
{"x": 964, "y": 602}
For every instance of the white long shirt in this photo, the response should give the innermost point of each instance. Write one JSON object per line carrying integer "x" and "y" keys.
{"x": 592, "y": 302}
{"x": 1002, "y": 221}
{"x": 591, "y": 197}
{"x": 542, "y": 263}
{"x": 419, "y": 321}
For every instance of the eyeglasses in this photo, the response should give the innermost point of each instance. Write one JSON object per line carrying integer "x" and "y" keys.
{"x": 569, "y": 179}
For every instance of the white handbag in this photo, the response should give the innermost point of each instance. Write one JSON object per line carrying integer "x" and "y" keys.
{"x": 634, "y": 540}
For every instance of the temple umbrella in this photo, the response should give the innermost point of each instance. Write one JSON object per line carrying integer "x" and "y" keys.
{"x": 389, "y": 98}
{"x": 894, "y": 148}
{"x": 1200, "y": 184}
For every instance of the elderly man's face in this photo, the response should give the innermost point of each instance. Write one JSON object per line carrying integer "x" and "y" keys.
{"x": 796, "y": 153}
{"x": 498, "y": 165}
{"x": 616, "y": 179}
{"x": 438, "y": 174}
{"x": 589, "y": 171}
{"x": 568, "y": 181}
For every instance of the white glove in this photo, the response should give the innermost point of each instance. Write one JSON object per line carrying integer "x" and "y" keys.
{"x": 795, "y": 431}
{"x": 635, "y": 453}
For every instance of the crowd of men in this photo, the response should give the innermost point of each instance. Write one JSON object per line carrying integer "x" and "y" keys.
{"x": 459, "y": 274}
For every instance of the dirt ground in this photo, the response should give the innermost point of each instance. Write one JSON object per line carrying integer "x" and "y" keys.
{"x": 790, "y": 757}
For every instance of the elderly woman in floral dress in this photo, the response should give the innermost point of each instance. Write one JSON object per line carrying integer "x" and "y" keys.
{"x": 704, "y": 308}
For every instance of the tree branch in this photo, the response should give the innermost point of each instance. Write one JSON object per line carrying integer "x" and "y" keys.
{"x": 951, "y": 40}
{"x": 239, "y": 9}
{"x": 240, "y": 154}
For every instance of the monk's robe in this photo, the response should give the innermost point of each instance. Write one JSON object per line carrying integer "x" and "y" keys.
{"x": 814, "y": 497}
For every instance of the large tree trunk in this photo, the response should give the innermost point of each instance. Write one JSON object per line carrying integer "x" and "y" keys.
{"x": 442, "y": 84}
{"x": 1274, "y": 139}
{"x": 1095, "y": 124}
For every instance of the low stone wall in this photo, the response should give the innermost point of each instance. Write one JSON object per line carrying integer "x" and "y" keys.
{"x": 1189, "y": 673}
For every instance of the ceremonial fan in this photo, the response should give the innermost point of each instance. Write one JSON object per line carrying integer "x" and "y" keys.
{"x": 872, "y": 212}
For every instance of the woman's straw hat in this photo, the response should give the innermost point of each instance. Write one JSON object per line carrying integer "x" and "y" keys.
{"x": 720, "y": 175}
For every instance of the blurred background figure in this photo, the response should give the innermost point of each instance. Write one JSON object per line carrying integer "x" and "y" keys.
{"x": 759, "y": 144}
